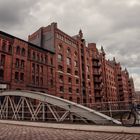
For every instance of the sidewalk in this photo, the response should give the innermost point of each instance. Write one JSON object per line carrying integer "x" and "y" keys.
{"x": 80, "y": 127}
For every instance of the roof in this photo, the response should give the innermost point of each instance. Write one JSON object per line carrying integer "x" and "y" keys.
{"x": 33, "y": 45}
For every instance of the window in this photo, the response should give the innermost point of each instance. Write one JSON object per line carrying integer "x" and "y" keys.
{"x": 61, "y": 89}
{"x": 87, "y": 68}
{"x": 77, "y": 90}
{"x": 37, "y": 80}
{"x": 61, "y": 78}
{"x": 83, "y": 83}
{"x": 18, "y": 50}
{"x": 33, "y": 67}
{"x": 90, "y": 100}
{"x": 23, "y": 52}
{"x": 60, "y": 68}
{"x": 51, "y": 61}
{"x": 4, "y": 46}
{"x": 62, "y": 97}
{"x": 22, "y": 64}
{"x": 68, "y": 61}
{"x": 78, "y": 100}
{"x": 16, "y": 76}
{"x": 17, "y": 63}
{"x": 1, "y": 74}
{"x": 29, "y": 53}
{"x": 68, "y": 51}
{"x": 41, "y": 69}
{"x": 70, "y": 90}
{"x": 70, "y": 98}
{"x": 38, "y": 57}
{"x": 33, "y": 79}
{"x": 22, "y": 76}
{"x": 89, "y": 91}
{"x": 75, "y": 54}
{"x": 34, "y": 55}
{"x": 69, "y": 80}
{"x": 75, "y": 63}
{"x": 52, "y": 71}
{"x": 60, "y": 58}
{"x": 51, "y": 82}
{"x": 83, "y": 75}
{"x": 42, "y": 60}
{"x": 60, "y": 47}
{"x": 77, "y": 81}
{"x": 10, "y": 48}
{"x": 89, "y": 83}
{"x": 68, "y": 70}
{"x": 76, "y": 72}
{"x": 41, "y": 81}
{"x": 46, "y": 59}
{"x": 2, "y": 62}
{"x": 37, "y": 69}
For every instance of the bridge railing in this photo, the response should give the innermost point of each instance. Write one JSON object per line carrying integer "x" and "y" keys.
{"x": 112, "y": 109}
{"x": 27, "y": 108}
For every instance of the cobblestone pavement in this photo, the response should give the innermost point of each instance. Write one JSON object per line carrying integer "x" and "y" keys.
{"x": 13, "y": 132}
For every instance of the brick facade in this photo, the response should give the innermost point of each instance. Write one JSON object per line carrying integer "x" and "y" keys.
{"x": 64, "y": 66}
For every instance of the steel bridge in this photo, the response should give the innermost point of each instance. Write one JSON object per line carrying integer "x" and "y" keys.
{"x": 37, "y": 106}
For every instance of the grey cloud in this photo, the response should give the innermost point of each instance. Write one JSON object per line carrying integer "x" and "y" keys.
{"x": 111, "y": 23}
{"x": 15, "y": 12}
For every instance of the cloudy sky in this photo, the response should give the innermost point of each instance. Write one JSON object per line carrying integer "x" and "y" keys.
{"x": 115, "y": 24}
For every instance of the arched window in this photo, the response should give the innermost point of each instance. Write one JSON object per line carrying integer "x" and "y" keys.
{"x": 60, "y": 47}
{"x": 68, "y": 51}
{"x": 18, "y": 50}
{"x": 23, "y": 52}
{"x": 75, "y": 54}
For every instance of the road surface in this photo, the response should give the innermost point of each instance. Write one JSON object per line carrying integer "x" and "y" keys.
{"x": 17, "y": 132}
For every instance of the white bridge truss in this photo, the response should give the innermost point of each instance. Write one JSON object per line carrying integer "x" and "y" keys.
{"x": 37, "y": 106}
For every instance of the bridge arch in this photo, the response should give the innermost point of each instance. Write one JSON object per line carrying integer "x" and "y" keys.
{"x": 67, "y": 109}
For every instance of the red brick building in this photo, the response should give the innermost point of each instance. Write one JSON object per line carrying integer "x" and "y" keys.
{"x": 58, "y": 64}
{"x": 24, "y": 65}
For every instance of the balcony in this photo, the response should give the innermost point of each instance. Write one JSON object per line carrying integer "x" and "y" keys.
{"x": 98, "y": 73}
{"x": 97, "y": 88}
{"x": 98, "y": 95}
{"x": 119, "y": 79}
{"x": 120, "y": 89}
{"x": 96, "y": 65}
{"x": 121, "y": 98}
{"x": 96, "y": 58}
{"x": 120, "y": 83}
{"x": 97, "y": 80}
{"x": 121, "y": 94}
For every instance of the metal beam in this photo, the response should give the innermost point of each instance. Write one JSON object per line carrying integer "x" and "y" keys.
{"x": 51, "y": 102}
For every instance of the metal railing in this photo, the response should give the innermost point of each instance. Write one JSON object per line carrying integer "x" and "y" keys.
{"x": 31, "y": 109}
